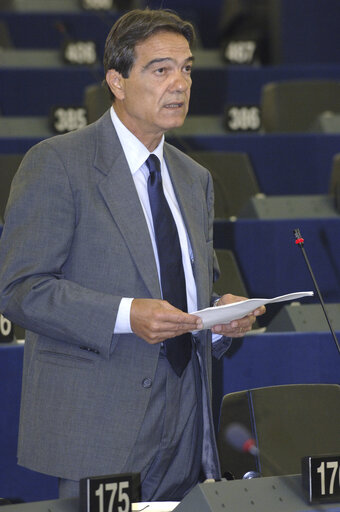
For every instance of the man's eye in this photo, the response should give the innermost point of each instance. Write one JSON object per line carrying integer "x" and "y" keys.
{"x": 188, "y": 68}
{"x": 160, "y": 71}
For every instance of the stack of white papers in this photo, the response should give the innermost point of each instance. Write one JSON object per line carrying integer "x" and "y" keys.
{"x": 225, "y": 314}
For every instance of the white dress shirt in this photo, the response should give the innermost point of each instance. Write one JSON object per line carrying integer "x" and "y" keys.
{"x": 136, "y": 154}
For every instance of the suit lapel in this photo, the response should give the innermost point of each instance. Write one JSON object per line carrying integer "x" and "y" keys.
{"x": 118, "y": 191}
{"x": 188, "y": 191}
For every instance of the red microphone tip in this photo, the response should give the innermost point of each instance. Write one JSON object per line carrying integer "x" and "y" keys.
{"x": 247, "y": 445}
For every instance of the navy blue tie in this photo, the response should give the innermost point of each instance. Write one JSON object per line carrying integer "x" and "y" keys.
{"x": 178, "y": 349}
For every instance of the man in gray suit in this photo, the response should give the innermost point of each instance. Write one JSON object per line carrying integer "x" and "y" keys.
{"x": 80, "y": 270}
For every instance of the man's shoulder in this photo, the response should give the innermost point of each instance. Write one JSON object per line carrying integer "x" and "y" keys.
{"x": 78, "y": 141}
{"x": 76, "y": 153}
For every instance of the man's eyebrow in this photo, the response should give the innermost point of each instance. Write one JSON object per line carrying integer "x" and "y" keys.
{"x": 164, "y": 59}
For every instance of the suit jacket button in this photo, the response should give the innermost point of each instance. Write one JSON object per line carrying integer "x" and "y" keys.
{"x": 147, "y": 383}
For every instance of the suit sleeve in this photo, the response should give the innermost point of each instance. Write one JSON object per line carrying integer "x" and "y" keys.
{"x": 40, "y": 220}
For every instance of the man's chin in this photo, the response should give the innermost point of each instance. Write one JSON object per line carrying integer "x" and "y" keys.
{"x": 175, "y": 122}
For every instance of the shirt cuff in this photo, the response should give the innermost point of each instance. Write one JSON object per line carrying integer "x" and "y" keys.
{"x": 123, "y": 325}
{"x": 215, "y": 337}
{"x": 220, "y": 347}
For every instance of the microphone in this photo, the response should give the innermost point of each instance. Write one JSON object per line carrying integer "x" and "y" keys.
{"x": 300, "y": 242}
{"x": 240, "y": 438}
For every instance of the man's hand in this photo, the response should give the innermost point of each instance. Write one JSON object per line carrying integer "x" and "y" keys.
{"x": 236, "y": 328}
{"x": 156, "y": 320}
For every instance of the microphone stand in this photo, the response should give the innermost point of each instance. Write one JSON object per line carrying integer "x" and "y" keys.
{"x": 300, "y": 242}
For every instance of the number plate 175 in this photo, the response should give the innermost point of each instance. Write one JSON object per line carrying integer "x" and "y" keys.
{"x": 109, "y": 493}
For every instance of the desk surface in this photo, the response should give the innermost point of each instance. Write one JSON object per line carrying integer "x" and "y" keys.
{"x": 47, "y": 58}
{"x": 71, "y": 505}
{"x": 30, "y": 126}
{"x": 14, "y": 58}
{"x": 266, "y": 494}
{"x": 40, "y": 6}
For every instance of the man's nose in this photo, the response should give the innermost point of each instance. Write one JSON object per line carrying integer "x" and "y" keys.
{"x": 181, "y": 82}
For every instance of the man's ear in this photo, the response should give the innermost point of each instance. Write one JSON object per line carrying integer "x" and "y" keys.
{"x": 116, "y": 83}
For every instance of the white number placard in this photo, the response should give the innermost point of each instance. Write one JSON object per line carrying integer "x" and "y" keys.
{"x": 5, "y": 329}
{"x": 97, "y": 4}
{"x": 111, "y": 493}
{"x": 240, "y": 52}
{"x": 68, "y": 119}
{"x": 80, "y": 52}
{"x": 243, "y": 118}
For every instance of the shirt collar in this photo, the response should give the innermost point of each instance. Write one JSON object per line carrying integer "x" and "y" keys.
{"x": 135, "y": 151}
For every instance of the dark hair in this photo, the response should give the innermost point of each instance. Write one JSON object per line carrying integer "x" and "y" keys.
{"x": 136, "y": 26}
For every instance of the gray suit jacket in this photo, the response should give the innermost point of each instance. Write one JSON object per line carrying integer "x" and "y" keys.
{"x": 75, "y": 242}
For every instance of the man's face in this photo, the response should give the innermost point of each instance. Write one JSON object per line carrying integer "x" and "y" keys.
{"x": 155, "y": 96}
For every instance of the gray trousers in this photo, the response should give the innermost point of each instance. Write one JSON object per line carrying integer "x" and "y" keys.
{"x": 168, "y": 449}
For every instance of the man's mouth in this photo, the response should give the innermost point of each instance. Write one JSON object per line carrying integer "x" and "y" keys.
{"x": 173, "y": 105}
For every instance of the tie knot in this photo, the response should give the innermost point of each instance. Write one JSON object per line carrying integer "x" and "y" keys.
{"x": 153, "y": 164}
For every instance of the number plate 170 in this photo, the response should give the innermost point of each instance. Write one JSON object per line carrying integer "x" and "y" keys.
{"x": 321, "y": 477}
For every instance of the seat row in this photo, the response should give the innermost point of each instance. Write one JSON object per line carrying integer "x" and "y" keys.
{"x": 237, "y": 189}
{"x": 33, "y": 81}
{"x": 265, "y": 31}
